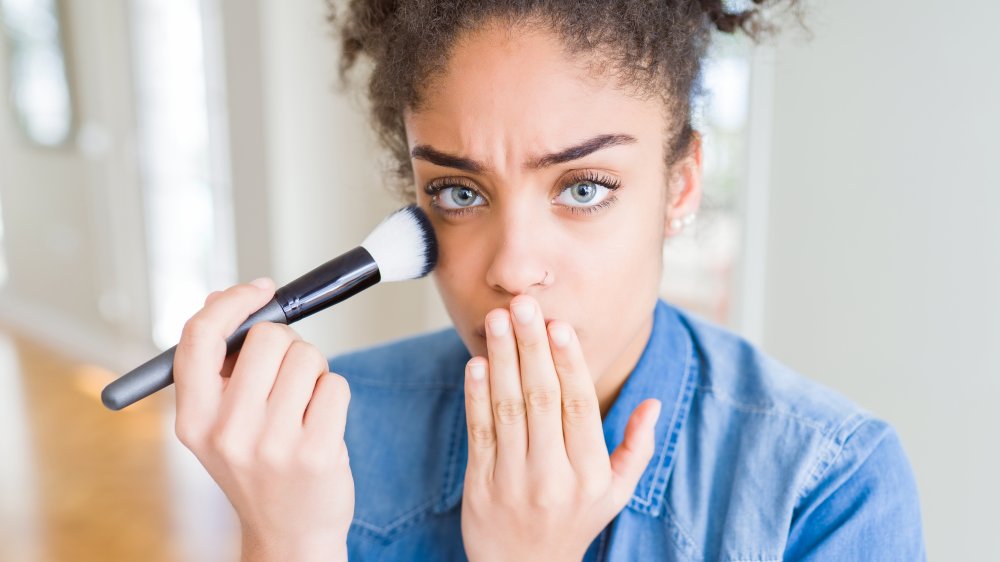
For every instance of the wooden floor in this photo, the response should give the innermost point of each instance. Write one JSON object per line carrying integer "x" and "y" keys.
{"x": 79, "y": 482}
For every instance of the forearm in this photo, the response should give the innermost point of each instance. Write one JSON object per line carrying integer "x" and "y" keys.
{"x": 255, "y": 549}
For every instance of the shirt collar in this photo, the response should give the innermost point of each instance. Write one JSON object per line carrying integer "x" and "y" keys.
{"x": 667, "y": 370}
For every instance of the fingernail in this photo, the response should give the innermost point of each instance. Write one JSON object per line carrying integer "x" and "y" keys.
{"x": 524, "y": 312}
{"x": 478, "y": 371}
{"x": 262, "y": 283}
{"x": 655, "y": 415}
{"x": 560, "y": 335}
{"x": 499, "y": 326}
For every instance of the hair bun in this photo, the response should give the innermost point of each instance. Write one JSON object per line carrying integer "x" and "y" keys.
{"x": 361, "y": 30}
{"x": 748, "y": 20}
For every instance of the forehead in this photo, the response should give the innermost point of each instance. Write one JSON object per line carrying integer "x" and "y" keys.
{"x": 523, "y": 87}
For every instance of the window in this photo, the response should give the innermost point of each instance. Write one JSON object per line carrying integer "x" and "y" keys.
{"x": 39, "y": 90}
{"x": 700, "y": 263}
{"x": 188, "y": 214}
{"x": 3, "y": 259}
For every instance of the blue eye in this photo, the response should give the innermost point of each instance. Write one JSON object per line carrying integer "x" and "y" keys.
{"x": 584, "y": 192}
{"x": 461, "y": 196}
{"x": 455, "y": 199}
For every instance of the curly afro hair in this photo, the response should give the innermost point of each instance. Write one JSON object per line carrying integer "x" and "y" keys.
{"x": 650, "y": 47}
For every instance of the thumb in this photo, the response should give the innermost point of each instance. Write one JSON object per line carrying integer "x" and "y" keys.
{"x": 630, "y": 458}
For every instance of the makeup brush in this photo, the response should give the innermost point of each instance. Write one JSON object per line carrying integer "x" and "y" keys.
{"x": 401, "y": 247}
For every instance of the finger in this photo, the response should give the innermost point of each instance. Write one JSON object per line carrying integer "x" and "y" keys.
{"x": 200, "y": 354}
{"x": 326, "y": 414}
{"x": 244, "y": 404}
{"x": 581, "y": 413}
{"x": 505, "y": 391}
{"x": 539, "y": 383}
{"x": 629, "y": 459}
{"x": 227, "y": 369}
{"x": 211, "y": 297}
{"x": 302, "y": 365}
{"x": 479, "y": 422}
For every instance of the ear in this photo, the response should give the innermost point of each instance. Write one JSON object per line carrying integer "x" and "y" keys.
{"x": 685, "y": 186}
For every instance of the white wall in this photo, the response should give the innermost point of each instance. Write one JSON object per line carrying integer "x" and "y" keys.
{"x": 72, "y": 227}
{"x": 883, "y": 253}
{"x": 326, "y": 193}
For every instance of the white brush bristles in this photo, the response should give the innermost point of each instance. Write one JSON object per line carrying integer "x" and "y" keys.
{"x": 403, "y": 245}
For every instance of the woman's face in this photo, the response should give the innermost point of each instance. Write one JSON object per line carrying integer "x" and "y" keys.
{"x": 515, "y": 201}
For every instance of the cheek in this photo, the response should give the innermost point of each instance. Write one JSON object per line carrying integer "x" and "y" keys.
{"x": 459, "y": 275}
{"x": 605, "y": 256}
{"x": 458, "y": 262}
{"x": 455, "y": 287}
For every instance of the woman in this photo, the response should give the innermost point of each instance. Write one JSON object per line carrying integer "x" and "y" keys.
{"x": 570, "y": 413}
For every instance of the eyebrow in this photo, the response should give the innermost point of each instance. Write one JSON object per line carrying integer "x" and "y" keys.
{"x": 435, "y": 156}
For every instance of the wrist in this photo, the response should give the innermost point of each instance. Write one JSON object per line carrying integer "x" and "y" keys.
{"x": 260, "y": 549}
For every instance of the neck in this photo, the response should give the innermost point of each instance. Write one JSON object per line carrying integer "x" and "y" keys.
{"x": 610, "y": 383}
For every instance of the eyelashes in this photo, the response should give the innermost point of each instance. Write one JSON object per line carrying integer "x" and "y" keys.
{"x": 435, "y": 187}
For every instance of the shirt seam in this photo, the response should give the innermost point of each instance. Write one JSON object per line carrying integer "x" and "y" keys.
{"x": 692, "y": 551}
{"x": 451, "y": 468}
{"x": 680, "y": 411}
{"x": 399, "y": 524}
{"x": 831, "y": 452}
{"x": 768, "y": 410}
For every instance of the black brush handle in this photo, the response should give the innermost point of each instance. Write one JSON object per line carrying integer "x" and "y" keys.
{"x": 158, "y": 373}
{"x": 336, "y": 280}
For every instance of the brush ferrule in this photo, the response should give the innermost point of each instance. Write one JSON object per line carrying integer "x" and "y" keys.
{"x": 334, "y": 281}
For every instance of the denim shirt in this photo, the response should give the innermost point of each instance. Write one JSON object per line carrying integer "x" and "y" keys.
{"x": 753, "y": 462}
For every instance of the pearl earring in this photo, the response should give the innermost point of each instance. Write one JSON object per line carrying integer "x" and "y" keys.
{"x": 679, "y": 223}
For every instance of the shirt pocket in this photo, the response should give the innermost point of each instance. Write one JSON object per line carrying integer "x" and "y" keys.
{"x": 407, "y": 450}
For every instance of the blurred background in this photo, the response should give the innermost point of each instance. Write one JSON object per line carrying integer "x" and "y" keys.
{"x": 153, "y": 151}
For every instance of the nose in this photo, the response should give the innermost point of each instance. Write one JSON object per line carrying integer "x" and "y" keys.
{"x": 519, "y": 261}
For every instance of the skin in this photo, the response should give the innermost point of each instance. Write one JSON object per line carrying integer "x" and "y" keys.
{"x": 503, "y": 101}
{"x": 268, "y": 426}
{"x": 268, "y": 422}
{"x": 540, "y": 484}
